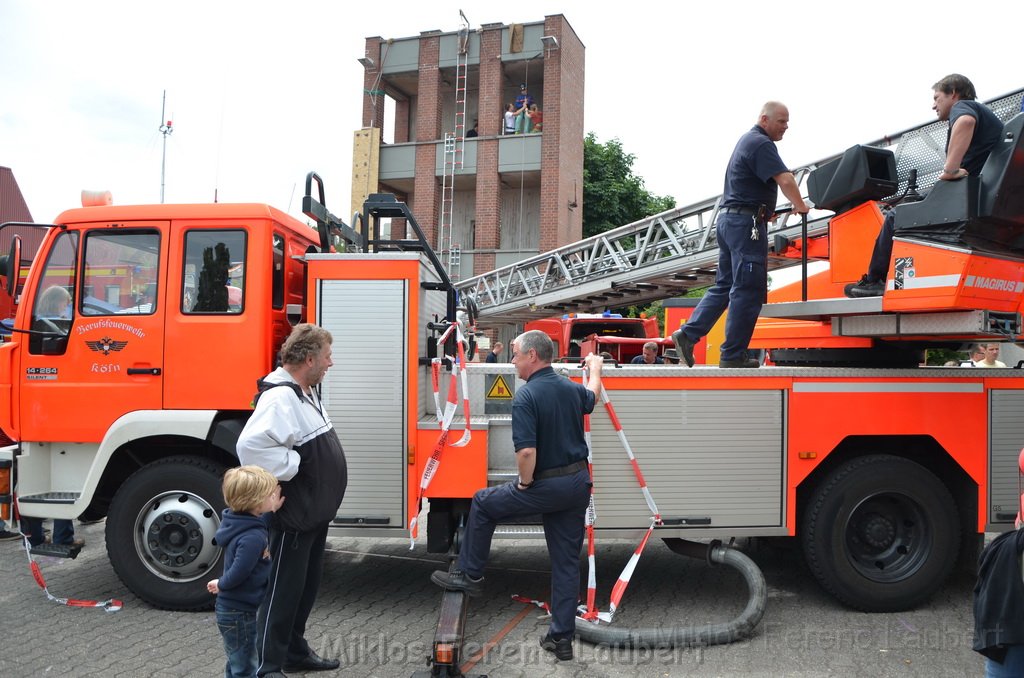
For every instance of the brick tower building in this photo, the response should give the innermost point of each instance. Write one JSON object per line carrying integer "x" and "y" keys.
{"x": 493, "y": 199}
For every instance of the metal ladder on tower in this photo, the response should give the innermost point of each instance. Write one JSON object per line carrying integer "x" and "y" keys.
{"x": 444, "y": 233}
{"x": 454, "y": 149}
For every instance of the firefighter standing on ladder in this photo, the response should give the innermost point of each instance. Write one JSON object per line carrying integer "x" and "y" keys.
{"x": 551, "y": 455}
{"x": 752, "y": 179}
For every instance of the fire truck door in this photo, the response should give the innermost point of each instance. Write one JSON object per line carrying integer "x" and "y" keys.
{"x": 96, "y": 352}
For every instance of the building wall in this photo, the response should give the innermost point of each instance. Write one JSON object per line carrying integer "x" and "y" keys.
{"x": 426, "y": 197}
{"x": 562, "y": 147}
{"x": 503, "y": 222}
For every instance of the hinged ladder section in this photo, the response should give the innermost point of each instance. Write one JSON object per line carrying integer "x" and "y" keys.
{"x": 654, "y": 258}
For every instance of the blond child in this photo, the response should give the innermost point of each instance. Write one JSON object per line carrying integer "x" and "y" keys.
{"x": 251, "y": 494}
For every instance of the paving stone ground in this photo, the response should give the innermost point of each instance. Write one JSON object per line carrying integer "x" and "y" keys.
{"x": 377, "y": 611}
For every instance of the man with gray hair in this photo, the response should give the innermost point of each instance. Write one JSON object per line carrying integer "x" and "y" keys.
{"x": 290, "y": 435}
{"x": 649, "y": 356}
{"x": 753, "y": 178}
{"x": 551, "y": 456}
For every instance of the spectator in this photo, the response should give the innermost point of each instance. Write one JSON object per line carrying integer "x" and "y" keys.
{"x": 522, "y": 108}
{"x": 290, "y": 435}
{"x": 473, "y": 131}
{"x": 251, "y": 493}
{"x": 5, "y": 534}
{"x": 649, "y": 356}
{"x": 536, "y": 118}
{"x": 509, "y": 126}
{"x": 999, "y": 607}
{"x": 989, "y": 357}
{"x": 496, "y": 350}
{"x": 63, "y": 532}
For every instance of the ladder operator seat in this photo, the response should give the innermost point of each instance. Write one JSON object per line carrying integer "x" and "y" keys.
{"x": 984, "y": 212}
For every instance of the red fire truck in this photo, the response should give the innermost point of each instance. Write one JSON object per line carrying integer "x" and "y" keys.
{"x": 129, "y": 408}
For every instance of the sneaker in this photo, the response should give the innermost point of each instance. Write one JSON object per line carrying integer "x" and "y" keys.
{"x": 742, "y": 362}
{"x": 865, "y": 287}
{"x": 7, "y": 535}
{"x": 684, "y": 346}
{"x": 458, "y": 581}
{"x": 562, "y": 648}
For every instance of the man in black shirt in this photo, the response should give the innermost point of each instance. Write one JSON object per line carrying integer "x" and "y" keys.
{"x": 551, "y": 456}
{"x": 974, "y": 130}
{"x": 753, "y": 178}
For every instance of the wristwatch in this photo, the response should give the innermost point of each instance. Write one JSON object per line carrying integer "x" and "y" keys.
{"x": 520, "y": 483}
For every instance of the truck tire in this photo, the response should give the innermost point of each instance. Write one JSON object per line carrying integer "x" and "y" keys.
{"x": 160, "y": 532}
{"x": 881, "y": 533}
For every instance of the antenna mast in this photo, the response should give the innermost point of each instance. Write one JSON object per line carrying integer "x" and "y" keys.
{"x": 166, "y": 127}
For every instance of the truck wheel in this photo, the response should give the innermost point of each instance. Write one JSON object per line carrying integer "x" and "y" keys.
{"x": 881, "y": 533}
{"x": 160, "y": 532}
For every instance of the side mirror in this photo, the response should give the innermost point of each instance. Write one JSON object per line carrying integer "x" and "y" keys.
{"x": 12, "y": 267}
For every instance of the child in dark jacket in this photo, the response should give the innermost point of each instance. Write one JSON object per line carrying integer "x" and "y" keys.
{"x": 251, "y": 494}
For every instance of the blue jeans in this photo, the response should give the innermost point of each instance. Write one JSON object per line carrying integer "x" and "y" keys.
{"x": 741, "y": 285}
{"x": 63, "y": 531}
{"x": 1012, "y": 666}
{"x": 238, "y": 628}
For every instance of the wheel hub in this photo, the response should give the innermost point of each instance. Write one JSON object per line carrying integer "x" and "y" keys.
{"x": 878, "y": 531}
{"x": 885, "y": 539}
{"x": 176, "y": 539}
{"x": 174, "y": 536}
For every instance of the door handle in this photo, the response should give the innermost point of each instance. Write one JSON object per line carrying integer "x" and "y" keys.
{"x": 154, "y": 371}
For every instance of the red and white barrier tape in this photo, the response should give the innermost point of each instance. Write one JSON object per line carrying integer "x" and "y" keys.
{"x": 590, "y": 612}
{"x": 530, "y": 601}
{"x": 110, "y": 605}
{"x": 445, "y": 417}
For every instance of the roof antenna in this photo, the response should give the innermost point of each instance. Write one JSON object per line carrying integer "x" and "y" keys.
{"x": 165, "y": 129}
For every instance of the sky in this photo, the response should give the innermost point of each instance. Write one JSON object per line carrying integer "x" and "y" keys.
{"x": 260, "y": 93}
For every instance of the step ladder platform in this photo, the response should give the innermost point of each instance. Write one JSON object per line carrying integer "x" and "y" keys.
{"x": 822, "y": 309}
{"x": 57, "y": 550}
{"x": 865, "y": 318}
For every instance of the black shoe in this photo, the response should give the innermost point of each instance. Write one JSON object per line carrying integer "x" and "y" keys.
{"x": 274, "y": 674}
{"x": 7, "y": 535}
{"x": 865, "y": 287}
{"x": 458, "y": 581}
{"x": 562, "y": 648}
{"x": 313, "y": 662}
{"x": 742, "y": 362}
{"x": 684, "y": 346}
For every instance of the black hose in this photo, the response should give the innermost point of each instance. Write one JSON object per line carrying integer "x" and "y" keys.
{"x": 691, "y": 636}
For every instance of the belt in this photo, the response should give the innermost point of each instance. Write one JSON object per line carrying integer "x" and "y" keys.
{"x": 561, "y": 471}
{"x": 748, "y": 211}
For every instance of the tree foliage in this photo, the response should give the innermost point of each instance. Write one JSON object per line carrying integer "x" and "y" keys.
{"x": 612, "y": 195}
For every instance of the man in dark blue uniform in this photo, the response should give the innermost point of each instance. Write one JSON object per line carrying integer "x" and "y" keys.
{"x": 752, "y": 179}
{"x": 551, "y": 456}
{"x": 974, "y": 130}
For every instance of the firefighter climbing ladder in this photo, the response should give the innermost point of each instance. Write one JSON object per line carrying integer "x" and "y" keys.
{"x": 454, "y": 150}
{"x": 669, "y": 253}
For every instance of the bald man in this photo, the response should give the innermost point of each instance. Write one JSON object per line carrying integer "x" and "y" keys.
{"x": 753, "y": 178}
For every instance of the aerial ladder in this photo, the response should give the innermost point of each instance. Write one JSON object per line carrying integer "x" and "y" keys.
{"x": 667, "y": 254}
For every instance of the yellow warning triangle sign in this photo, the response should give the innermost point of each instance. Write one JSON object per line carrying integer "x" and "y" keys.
{"x": 499, "y": 389}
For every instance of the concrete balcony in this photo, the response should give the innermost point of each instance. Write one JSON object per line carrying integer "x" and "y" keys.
{"x": 516, "y": 153}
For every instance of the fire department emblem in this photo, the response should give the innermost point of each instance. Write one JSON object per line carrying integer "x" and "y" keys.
{"x": 106, "y": 345}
